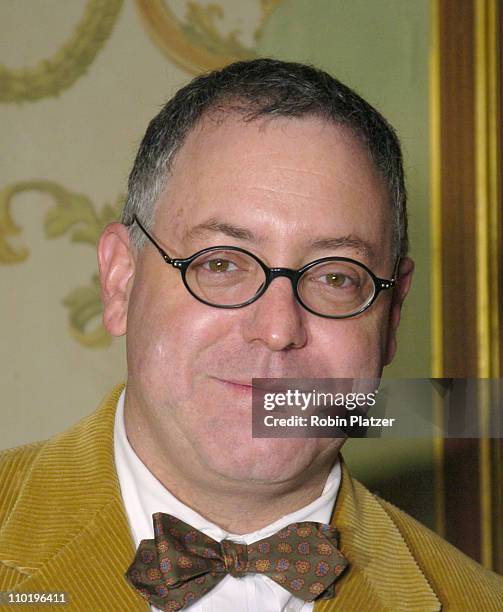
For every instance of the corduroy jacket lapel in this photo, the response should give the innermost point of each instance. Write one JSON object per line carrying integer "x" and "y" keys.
{"x": 68, "y": 532}
{"x": 383, "y": 575}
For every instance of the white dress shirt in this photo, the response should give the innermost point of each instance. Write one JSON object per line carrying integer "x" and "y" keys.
{"x": 144, "y": 495}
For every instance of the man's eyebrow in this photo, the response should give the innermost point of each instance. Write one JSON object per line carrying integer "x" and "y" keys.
{"x": 217, "y": 226}
{"x": 351, "y": 241}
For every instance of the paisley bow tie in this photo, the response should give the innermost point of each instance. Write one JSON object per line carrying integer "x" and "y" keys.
{"x": 181, "y": 564}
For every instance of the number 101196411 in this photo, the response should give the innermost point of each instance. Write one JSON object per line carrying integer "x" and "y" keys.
{"x": 12, "y": 598}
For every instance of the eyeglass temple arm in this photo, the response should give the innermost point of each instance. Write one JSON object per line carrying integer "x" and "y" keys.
{"x": 163, "y": 253}
{"x": 384, "y": 283}
{"x": 388, "y": 284}
{"x": 394, "y": 278}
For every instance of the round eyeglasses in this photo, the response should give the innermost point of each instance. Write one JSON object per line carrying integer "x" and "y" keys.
{"x": 231, "y": 277}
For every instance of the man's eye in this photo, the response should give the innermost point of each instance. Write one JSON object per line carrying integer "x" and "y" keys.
{"x": 219, "y": 265}
{"x": 337, "y": 280}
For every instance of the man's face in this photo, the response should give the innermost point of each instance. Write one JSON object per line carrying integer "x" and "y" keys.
{"x": 277, "y": 188}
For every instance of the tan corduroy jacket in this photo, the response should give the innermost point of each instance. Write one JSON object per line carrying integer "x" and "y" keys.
{"x": 63, "y": 528}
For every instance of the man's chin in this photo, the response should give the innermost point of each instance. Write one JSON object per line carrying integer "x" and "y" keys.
{"x": 267, "y": 460}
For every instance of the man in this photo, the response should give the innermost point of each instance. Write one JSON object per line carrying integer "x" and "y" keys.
{"x": 246, "y": 177}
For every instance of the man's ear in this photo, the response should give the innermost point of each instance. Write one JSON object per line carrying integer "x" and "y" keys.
{"x": 116, "y": 265}
{"x": 402, "y": 286}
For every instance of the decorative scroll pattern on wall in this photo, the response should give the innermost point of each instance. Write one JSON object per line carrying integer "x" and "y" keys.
{"x": 74, "y": 214}
{"x": 52, "y": 76}
{"x": 197, "y": 43}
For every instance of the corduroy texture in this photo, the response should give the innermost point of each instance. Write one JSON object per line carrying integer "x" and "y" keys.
{"x": 63, "y": 528}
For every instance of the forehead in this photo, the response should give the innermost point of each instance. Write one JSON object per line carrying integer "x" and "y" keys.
{"x": 284, "y": 179}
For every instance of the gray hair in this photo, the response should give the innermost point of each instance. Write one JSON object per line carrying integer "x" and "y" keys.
{"x": 260, "y": 88}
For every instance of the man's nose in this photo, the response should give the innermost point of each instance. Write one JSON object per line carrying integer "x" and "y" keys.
{"x": 276, "y": 319}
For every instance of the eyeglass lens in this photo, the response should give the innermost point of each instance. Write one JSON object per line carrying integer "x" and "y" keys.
{"x": 230, "y": 278}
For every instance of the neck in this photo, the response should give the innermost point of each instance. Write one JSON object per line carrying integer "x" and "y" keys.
{"x": 238, "y": 506}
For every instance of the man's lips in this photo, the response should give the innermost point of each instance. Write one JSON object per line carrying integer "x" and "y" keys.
{"x": 243, "y": 385}
{"x": 235, "y": 383}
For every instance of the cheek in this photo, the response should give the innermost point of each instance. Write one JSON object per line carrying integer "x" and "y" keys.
{"x": 167, "y": 332}
{"x": 353, "y": 348}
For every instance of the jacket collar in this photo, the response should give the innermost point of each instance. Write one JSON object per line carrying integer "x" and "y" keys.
{"x": 383, "y": 574}
{"x": 69, "y": 532}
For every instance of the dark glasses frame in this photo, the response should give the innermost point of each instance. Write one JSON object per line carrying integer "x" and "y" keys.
{"x": 182, "y": 265}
